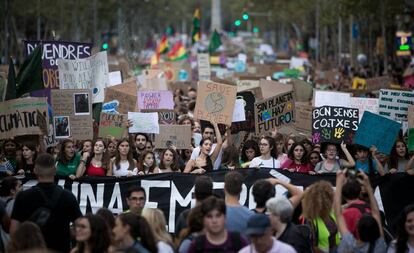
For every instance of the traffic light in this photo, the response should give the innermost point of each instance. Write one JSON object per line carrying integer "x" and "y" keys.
{"x": 245, "y": 16}
{"x": 237, "y": 22}
{"x": 255, "y": 29}
{"x": 105, "y": 46}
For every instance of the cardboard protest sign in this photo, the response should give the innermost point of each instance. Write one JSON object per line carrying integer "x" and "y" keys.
{"x": 274, "y": 112}
{"x": 89, "y": 73}
{"x": 215, "y": 101}
{"x": 203, "y": 64}
{"x": 115, "y": 78}
{"x": 334, "y": 124}
{"x": 273, "y": 88}
{"x": 49, "y": 140}
{"x": 72, "y": 114}
{"x": 303, "y": 118}
{"x": 153, "y": 79}
{"x": 144, "y": 122}
{"x": 155, "y": 100}
{"x": 378, "y": 131}
{"x": 410, "y": 116}
{"x": 19, "y": 116}
{"x": 303, "y": 90}
{"x": 378, "y": 83}
{"x": 248, "y": 105}
{"x": 364, "y": 104}
{"x": 238, "y": 113}
{"x": 121, "y": 98}
{"x": 166, "y": 118}
{"x": 331, "y": 98}
{"x": 177, "y": 135}
{"x": 111, "y": 125}
{"x": 53, "y": 50}
{"x": 393, "y": 104}
{"x": 243, "y": 85}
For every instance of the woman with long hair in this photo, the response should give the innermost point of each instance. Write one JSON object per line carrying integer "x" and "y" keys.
{"x": 317, "y": 211}
{"x": 168, "y": 161}
{"x": 28, "y": 157}
{"x": 68, "y": 160}
{"x": 112, "y": 144}
{"x": 132, "y": 231}
{"x": 298, "y": 160}
{"x": 249, "y": 151}
{"x": 399, "y": 157}
{"x": 268, "y": 154}
{"x": 332, "y": 163}
{"x": 28, "y": 236}
{"x": 405, "y": 232}
{"x": 94, "y": 164}
{"x": 123, "y": 164}
{"x": 281, "y": 151}
{"x": 146, "y": 163}
{"x": 314, "y": 158}
{"x": 156, "y": 220}
{"x": 231, "y": 158}
{"x": 92, "y": 235}
{"x": 205, "y": 162}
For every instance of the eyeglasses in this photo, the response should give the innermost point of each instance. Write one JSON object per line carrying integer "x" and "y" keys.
{"x": 136, "y": 198}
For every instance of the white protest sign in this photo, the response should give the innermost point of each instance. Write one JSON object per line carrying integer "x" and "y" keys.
{"x": 331, "y": 98}
{"x": 144, "y": 122}
{"x": 393, "y": 104}
{"x": 364, "y": 104}
{"x": 203, "y": 62}
{"x": 89, "y": 73}
{"x": 239, "y": 113}
{"x": 115, "y": 78}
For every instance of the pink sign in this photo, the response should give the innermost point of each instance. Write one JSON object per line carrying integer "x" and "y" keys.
{"x": 155, "y": 100}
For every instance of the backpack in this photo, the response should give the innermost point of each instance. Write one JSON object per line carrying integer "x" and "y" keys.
{"x": 236, "y": 243}
{"x": 41, "y": 215}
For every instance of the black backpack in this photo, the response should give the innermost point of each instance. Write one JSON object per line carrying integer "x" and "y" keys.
{"x": 235, "y": 238}
{"x": 41, "y": 215}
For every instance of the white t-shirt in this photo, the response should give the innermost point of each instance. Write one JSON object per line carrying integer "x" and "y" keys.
{"x": 164, "y": 247}
{"x": 270, "y": 163}
{"x": 217, "y": 163}
{"x": 277, "y": 247}
{"x": 123, "y": 171}
{"x": 392, "y": 248}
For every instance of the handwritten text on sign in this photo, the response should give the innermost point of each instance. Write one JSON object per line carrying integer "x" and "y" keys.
{"x": 334, "y": 124}
{"x": 393, "y": 104}
{"x": 274, "y": 112}
{"x": 155, "y": 100}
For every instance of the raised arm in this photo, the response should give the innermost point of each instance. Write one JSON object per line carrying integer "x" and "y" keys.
{"x": 228, "y": 138}
{"x": 340, "y": 220}
{"x": 82, "y": 165}
{"x": 219, "y": 144}
{"x": 349, "y": 162}
{"x": 378, "y": 164}
{"x": 296, "y": 193}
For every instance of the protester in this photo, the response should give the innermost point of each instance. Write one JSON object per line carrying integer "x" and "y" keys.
{"x": 149, "y": 146}
{"x": 216, "y": 237}
{"x": 95, "y": 163}
{"x": 314, "y": 158}
{"x": 371, "y": 235}
{"x": 135, "y": 199}
{"x": 92, "y": 235}
{"x": 194, "y": 229}
{"x": 10, "y": 147}
{"x": 112, "y": 144}
{"x": 10, "y": 186}
{"x": 206, "y": 159}
{"x": 146, "y": 163}
{"x": 404, "y": 242}
{"x": 267, "y": 155}
{"x": 156, "y": 220}
{"x": 107, "y": 215}
{"x": 68, "y": 160}
{"x": 260, "y": 232}
{"x": 30, "y": 202}
{"x": 27, "y": 160}
{"x": 140, "y": 144}
{"x": 230, "y": 159}
{"x": 308, "y": 145}
{"x": 87, "y": 146}
{"x": 298, "y": 160}
{"x": 317, "y": 210}
{"x": 6, "y": 167}
{"x": 249, "y": 151}
{"x": 132, "y": 232}
{"x": 27, "y": 237}
{"x": 280, "y": 148}
{"x": 169, "y": 161}
{"x": 332, "y": 164}
{"x": 123, "y": 164}
{"x": 367, "y": 161}
{"x": 262, "y": 191}
{"x": 399, "y": 157}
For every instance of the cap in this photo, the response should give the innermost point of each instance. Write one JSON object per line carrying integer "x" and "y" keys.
{"x": 257, "y": 224}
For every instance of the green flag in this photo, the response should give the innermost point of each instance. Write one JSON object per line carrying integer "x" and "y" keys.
{"x": 30, "y": 75}
{"x": 11, "y": 82}
{"x": 215, "y": 42}
{"x": 196, "y": 32}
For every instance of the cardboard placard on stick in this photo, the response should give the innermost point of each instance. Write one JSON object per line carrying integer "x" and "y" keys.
{"x": 273, "y": 88}
{"x": 177, "y": 135}
{"x": 121, "y": 98}
{"x": 331, "y": 98}
{"x": 153, "y": 79}
{"x": 72, "y": 113}
{"x": 111, "y": 125}
{"x": 215, "y": 101}
{"x": 19, "y": 116}
{"x": 203, "y": 64}
{"x": 393, "y": 104}
{"x": 303, "y": 118}
{"x": 303, "y": 90}
{"x": 155, "y": 100}
{"x": 334, "y": 124}
{"x": 410, "y": 116}
{"x": 274, "y": 112}
{"x": 378, "y": 83}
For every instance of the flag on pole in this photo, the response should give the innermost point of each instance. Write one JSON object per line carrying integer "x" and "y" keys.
{"x": 177, "y": 52}
{"x": 11, "y": 82}
{"x": 196, "y": 33}
{"x": 163, "y": 46}
{"x": 215, "y": 42}
{"x": 30, "y": 77}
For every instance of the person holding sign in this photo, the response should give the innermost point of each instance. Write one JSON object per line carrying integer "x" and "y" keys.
{"x": 298, "y": 160}
{"x": 367, "y": 162}
{"x": 267, "y": 156}
{"x": 204, "y": 162}
{"x": 123, "y": 164}
{"x": 68, "y": 160}
{"x": 332, "y": 164}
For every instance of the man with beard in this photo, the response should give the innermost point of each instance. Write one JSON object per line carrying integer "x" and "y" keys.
{"x": 140, "y": 145}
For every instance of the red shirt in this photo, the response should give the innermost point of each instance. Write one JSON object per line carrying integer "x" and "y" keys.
{"x": 352, "y": 216}
{"x": 95, "y": 171}
{"x": 301, "y": 168}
